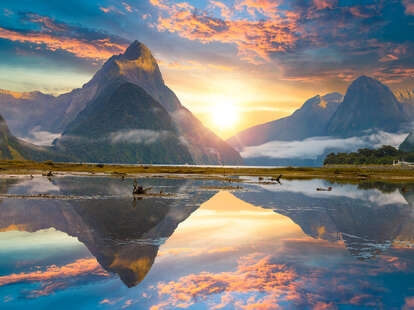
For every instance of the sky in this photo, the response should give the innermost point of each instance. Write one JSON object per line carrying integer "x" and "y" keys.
{"x": 257, "y": 60}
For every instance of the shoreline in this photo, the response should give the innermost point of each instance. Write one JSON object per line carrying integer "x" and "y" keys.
{"x": 333, "y": 173}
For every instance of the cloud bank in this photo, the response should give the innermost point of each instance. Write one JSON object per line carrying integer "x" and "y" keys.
{"x": 41, "y": 137}
{"x": 138, "y": 136}
{"x": 314, "y": 147}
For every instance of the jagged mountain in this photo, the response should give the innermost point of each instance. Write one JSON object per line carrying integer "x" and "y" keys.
{"x": 408, "y": 143}
{"x": 139, "y": 67}
{"x": 308, "y": 121}
{"x": 368, "y": 105}
{"x": 14, "y": 148}
{"x": 126, "y": 125}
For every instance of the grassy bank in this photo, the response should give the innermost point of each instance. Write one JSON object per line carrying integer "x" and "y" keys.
{"x": 337, "y": 173}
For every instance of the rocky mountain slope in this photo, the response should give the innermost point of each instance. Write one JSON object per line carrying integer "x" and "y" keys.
{"x": 368, "y": 105}
{"x": 138, "y": 66}
{"x": 308, "y": 121}
{"x": 408, "y": 143}
{"x": 126, "y": 125}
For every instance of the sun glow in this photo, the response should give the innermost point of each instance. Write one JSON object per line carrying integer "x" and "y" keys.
{"x": 224, "y": 116}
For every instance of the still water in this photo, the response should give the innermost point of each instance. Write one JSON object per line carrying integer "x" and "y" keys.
{"x": 264, "y": 246}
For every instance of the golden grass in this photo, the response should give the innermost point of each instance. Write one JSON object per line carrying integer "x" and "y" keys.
{"x": 338, "y": 174}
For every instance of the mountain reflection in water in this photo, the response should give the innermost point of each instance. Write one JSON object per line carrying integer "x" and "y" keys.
{"x": 266, "y": 246}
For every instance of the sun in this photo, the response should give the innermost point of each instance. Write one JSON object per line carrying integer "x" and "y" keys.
{"x": 224, "y": 116}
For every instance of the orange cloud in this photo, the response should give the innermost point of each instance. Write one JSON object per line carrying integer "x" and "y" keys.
{"x": 127, "y": 7}
{"x": 360, "y": 11}
{"x": 409, "y": 7}
{"x": 47, "y": 23}
{"x": 323, "y": 4}
{"x": 255, "y": 273}
{"x": 389, "y": 57}
{"x": 265, "y": 7}
{"x": 259, "y": 283}
{"x": 94, "y": 49}
{"x": 254, "y": 39}
{"x": 409, "y": 303}
{"x": 158, "y": 3}
{"x": 105, "y": 10}
{"x": 77, "y": 268}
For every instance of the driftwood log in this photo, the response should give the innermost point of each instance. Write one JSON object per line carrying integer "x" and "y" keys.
{"x": 138, "y": 189}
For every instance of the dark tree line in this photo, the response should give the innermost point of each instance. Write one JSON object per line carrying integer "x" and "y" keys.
{"x": 384, "y": 155}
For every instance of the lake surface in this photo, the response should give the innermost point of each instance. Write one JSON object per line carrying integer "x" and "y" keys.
{"x": 265, "y": 246}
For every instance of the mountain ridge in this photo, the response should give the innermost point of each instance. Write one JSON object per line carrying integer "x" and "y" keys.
{"x": 141, "y": 130}
{"x": 137, "y": 66}
{"x": 297, "y": 126}
{"x": 368, "y": 104}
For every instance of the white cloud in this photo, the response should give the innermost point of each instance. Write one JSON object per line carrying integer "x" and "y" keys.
{"x": 41, "y": 137}
{"x": 309, "y": 187}
{"x": 144, "y": 136}
{"x": 35, "y": 186}
{"x": 313, "y": 147}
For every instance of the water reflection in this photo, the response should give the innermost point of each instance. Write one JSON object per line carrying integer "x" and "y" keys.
{"x": 368, "y": 217}
{"x": 123, "y": 234}
{"x": 263, "y": 247}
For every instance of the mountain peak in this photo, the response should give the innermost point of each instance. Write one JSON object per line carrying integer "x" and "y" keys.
{"x": 136, "y": 50}
{"x": 136, "y": 65}
{"x": 363, "y": 78}
{"x": 366, "y": 80}
{"x": 368, "y": 104}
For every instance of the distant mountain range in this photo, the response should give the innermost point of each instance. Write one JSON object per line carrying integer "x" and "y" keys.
{"x": 127, "y": 114}
{"x": 123, "y": 135}
{"x": 368, "y": 106}
{"x": 308, "y": 121}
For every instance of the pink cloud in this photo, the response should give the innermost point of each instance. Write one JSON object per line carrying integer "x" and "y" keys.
{"x": 324, "y": 4}
{"x": 127, "y": 7}
{"x": 409, "y": 7}
{"x": 409, "y": 303}
{"x": 255, "y": 40}
{"x": 53, "y": 272}
{"x": 265, "y": 7}
{"x": 255, "y": 273}
{"x": 95, "y": 49}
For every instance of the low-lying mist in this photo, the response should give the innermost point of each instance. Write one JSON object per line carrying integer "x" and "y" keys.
{"x": 312, "y": 148}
